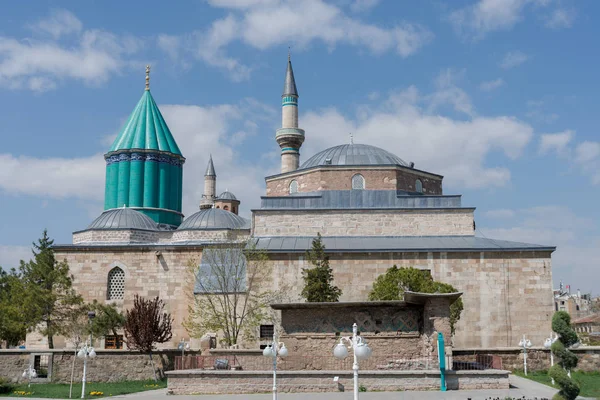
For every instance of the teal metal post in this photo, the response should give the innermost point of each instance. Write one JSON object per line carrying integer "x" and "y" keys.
{"x": 442, "y": 356}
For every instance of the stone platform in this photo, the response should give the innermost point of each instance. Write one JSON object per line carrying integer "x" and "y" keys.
{"x": 245, "y": 382}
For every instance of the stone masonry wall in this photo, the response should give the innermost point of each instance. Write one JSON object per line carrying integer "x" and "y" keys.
{"x": 363, "y": 223}
{"x": 505, "y": 294}
{"x": 108, "y": 366}
{"x": 146, "y": 273}
{"x": 390, "y": 178}
{"x": 213, "y": 382}
{"x": 123, "y": 235}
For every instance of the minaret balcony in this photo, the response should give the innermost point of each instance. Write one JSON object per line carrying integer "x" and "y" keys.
{"x": 282, "y": 132}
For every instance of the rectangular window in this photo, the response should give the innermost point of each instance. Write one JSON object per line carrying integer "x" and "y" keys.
{"x": 267, "y": 331}
{"x": 113, "y": 342}
{"x": 40, "y": 364}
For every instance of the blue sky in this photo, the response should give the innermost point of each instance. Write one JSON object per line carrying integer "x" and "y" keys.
{"x": 499, "y": 96}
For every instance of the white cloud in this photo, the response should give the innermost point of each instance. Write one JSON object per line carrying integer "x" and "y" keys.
{"x": 267, "y": 24}
{"x": 449, "y": 93}
{"x": 53, "y": 177}
{"x": 58, "y": 23}
{"x": 556, "y": 142}
{"x": 488, "y": 86}
{"x": 402, "y": 125}
{"x": 500, "y": 213}
{"x": 10, "y": 256}
{"x": 513, "y": 59}
{"x": 485, "y": 16}
{"x": 587, "y": 151}
{"x": 561, "y": 18}
{"x": 40, "y": 65}
{"x": 576, "y": 238}
{"x": 363, "y": 5}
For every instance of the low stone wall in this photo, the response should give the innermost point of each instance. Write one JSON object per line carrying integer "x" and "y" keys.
{"x": 222, "y": 382}
{"x": 538, "y": 358}
{"x": 107, "y": 366}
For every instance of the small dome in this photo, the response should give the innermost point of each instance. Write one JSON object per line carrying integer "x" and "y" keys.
{"x": 123, "y": 218}
{"x": 226, "y": 195}
{"x": 214, "y": 218}
{"x": 353, "y": 154}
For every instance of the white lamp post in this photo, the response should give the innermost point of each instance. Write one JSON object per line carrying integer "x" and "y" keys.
{"x": 360, "y": 349}
{"x": 183, "y": 346}
{"x": 525, "y": 344}
{"x": 548, "y": 344}
{"x": 274, "y": 350}
{"x": 29, "y": 373}
{"x": 87, "y": 351}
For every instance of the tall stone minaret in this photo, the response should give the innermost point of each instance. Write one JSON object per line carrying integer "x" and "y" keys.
{"x": 210, "y": 186}
{"x": 289, "y": 137}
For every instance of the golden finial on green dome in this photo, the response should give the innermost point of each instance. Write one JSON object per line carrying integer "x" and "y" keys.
{"x": 147, "y": 77}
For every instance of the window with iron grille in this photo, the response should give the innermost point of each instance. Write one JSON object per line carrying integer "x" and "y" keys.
{"x": 358, "y": 182}
{"x": 293, "y": 186}
{"x": 113, "y": 342}
{"x": 267, "y": 331}
{"x": 418, "y": 186}
{"x": 40, "y": 364}
{"x": 116, "y": 284}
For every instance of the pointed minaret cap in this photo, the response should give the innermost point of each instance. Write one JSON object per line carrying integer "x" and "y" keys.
{"x": 289, "y": 88}
{"x": 210, "y": 168}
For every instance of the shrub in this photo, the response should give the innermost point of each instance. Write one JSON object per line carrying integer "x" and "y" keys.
{"x": 5, "y": 386}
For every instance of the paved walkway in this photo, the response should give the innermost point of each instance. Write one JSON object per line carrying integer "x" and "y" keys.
{"x": 519, "y": 387}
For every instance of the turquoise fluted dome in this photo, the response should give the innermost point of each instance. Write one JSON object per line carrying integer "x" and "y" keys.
{"x": 146, "y": 129}
{"x": 144, "y": 166}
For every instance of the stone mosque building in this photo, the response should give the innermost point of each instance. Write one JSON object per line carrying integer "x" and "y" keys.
{"x": 373, "y": 209}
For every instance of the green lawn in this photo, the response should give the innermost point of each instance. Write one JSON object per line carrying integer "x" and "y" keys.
{"x": 589, "y": 382}
{"x": 61, "y": 391}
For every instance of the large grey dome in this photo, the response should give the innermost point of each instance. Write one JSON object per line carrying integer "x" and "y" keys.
{"x": 227, "y": 195}
{"x": 123, "y": 218}
{"x": 214, "y": 218}
{"x": 353, "y": 154}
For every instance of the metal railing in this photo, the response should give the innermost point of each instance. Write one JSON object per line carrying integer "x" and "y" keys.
{"x": 476, "y": 362}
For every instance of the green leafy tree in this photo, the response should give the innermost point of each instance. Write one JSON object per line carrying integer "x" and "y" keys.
{"x": 561, "y": 324}
{"x": 147, "y": 324}
{"x": 49, "y": 295}
{"x": 108, "y": 320}
{"x": 229, "y": 296}
{"x": 393, "y": 284}
{"x": 13, "y": 319}
{"x": 318, "y": 281}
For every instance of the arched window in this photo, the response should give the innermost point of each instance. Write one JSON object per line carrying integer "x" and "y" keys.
{"x": 358, "y": 182}
{"x": 116, "y": 284}
{"x": 226, "y": 208}
{"x": 419, "y": 186}
{"x": 293, "y": 186}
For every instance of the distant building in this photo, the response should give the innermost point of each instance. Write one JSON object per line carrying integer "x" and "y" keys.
{"x": 589, "y": 324}
{"x": 576, "y": 304}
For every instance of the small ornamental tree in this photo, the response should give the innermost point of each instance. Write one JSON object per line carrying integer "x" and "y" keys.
{"x": 13, "y": 319}
{"x": 318, "y": 281}
{"x": 231, "y": 292}
{"x": 561, "y": 324}
{"x": 393, "y": 284}
{"x": 146, "y": 324}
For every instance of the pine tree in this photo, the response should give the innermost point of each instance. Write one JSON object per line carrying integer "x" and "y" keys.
{"x": 49, "y": 296}
{"x": 13, "y": 319}
{"x": 318, "y": 281}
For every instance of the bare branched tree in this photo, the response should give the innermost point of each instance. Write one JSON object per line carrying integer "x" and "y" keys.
{"x": 146, "y": 324}
{"x": 230, "y": 291}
